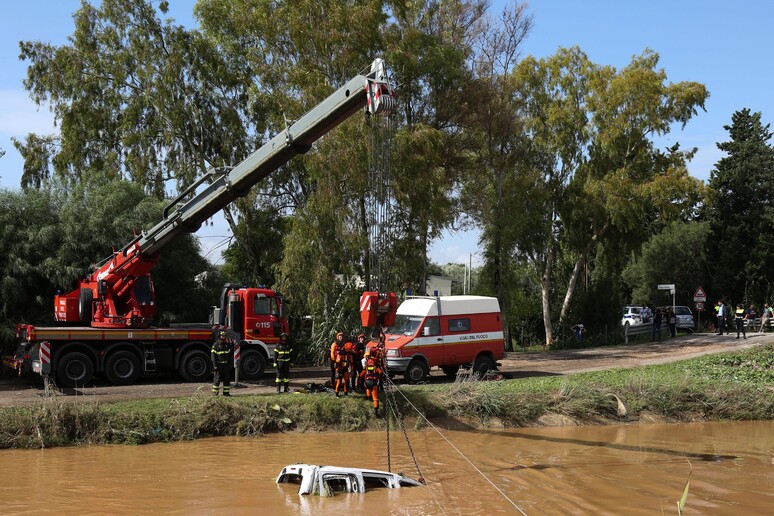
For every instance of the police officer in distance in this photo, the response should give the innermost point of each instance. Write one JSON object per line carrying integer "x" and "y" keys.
{"x": 221, "y": 364}
{"x": 282, "y": 353}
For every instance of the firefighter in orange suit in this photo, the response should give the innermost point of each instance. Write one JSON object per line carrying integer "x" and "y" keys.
{"x": 372, "y": 376}
{"x": 358, "y": 351}
{"x": 338, "y": 343}
{"x": 342, "y": 370}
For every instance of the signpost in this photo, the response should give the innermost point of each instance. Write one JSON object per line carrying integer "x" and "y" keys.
{"x": 671, "y": 288}
{"x": 699, "y": 297}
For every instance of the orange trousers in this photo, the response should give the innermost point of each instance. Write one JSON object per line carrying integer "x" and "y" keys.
{"x": 373, "y": 393}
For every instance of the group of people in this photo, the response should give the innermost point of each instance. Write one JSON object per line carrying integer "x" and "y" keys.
{"x": 354, "y": 366}
{"x": 742, "y": 318}
{"x": 357, "y": 368}
{"x": 657, "y": 316}
{"x": 222, "y": 356}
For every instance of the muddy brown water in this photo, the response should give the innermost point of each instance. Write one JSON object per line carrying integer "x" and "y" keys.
{"x": 637, "y": 469}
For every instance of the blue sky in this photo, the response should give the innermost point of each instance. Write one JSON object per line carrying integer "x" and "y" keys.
{"x": 722, "y": 46}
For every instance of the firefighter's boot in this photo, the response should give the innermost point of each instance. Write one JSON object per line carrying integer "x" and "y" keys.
{"x": 376, "y": 411}
{"x": 287, "y": 388}
{"x": 279, "y": 388}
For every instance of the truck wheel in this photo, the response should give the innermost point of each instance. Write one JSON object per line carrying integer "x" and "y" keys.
{"x": 252, "y": 365}
{"x": 195, "y": 366}
{"x": 123, "y": 368}
{"x": 482, "y": 364}
{"x": 74, "y": 369}
{"x": 450, "y": 371}
{"x": 416, "y": 371}
{"x": 85, "y": 300}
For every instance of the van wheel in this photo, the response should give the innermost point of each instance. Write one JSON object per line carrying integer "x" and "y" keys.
{"x": 482, "y": 364}
{"x": 195, "y": 366}
{"x": 74, "y": 369}
{"x": 450, "y": 371}
{"x": 416, "y": 371}
{"x": 251, "y": 366}
{"x": 123, "y": 368}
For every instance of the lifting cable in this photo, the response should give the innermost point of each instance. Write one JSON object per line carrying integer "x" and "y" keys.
{"x": 379, "y": 202}
{"x": 391, "y": 393}
{"x": 392, "y": 408}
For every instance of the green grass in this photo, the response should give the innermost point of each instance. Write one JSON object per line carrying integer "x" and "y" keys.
{"x": 729, "y": 386}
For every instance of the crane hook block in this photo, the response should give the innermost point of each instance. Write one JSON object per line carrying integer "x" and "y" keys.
{"x": 379, "y": 93}
{"x": 378, "y": 308}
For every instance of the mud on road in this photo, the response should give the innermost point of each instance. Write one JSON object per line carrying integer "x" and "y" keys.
{"x": 15, "y": 391}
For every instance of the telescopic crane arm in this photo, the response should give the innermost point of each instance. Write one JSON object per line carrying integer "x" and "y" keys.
{"x": 119, "y": 293}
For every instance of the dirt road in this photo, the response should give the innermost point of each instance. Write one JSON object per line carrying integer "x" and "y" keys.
{"x": 14, "y": 391}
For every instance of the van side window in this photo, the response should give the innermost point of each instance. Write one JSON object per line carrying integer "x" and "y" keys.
{"x": 432, "y": 327}
{"x": 457, "y": 325}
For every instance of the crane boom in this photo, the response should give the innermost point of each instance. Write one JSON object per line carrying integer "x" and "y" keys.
{"x": 119, "y": 293}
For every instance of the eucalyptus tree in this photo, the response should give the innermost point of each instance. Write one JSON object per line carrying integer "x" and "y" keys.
{"x": 136, "y": 98}
{"x": 591, "y": 162}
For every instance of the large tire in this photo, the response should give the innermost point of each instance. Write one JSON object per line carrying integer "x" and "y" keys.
{"x": 450, "y": 371}
{"x": 85, "y": 300}
{"x": 252, "y": 365}
{"x": 123, "y": 368}
{"x": 74, "y": 369}
{"x": 483, "y": 364}
{"x": 416, "y": 371}
{"x": 195, "y": 366}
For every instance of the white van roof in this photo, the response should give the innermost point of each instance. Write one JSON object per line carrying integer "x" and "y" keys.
{"x": 450, "y": 305}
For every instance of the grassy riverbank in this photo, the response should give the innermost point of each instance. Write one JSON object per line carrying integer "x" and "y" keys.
{"x": 728, "y": 386}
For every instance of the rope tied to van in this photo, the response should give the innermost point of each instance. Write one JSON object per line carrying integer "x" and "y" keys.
{"x": 391, "y": 392}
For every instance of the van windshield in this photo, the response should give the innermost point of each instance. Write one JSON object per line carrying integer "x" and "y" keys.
{"x": 405, "y": 325}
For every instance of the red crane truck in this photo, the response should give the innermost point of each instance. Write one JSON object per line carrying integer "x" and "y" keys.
{"x": 105, "y": 321}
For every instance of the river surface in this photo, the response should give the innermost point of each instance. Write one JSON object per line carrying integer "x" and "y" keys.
{"x": 637, "y": 469}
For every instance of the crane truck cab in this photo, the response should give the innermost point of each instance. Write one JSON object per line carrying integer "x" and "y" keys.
{"x": 444, "y": 331}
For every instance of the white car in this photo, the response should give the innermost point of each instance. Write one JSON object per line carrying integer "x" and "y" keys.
{"x": 631, "y": 315}
{"x": 329, "y": 480}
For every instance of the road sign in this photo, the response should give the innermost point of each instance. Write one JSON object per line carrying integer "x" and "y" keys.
{"x": 668, "y": 286}
{"x": 700, "y": 306}
{"x": 700, "y": 296}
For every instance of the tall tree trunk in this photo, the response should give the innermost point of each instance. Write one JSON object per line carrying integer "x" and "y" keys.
{"x": 545, "y": 287}
{"x": 576, "y": 271}
{"x": 571, "y": 288}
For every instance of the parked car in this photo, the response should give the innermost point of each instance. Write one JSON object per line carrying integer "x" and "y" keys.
{"x": 631, "y": 315}
{"x": 684, "y": 318}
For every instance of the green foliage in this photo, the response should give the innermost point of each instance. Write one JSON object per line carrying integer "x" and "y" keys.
{"x": 135, "y": 97}
{"x": 676, "y": 255}
{"x": 52, "y": 236}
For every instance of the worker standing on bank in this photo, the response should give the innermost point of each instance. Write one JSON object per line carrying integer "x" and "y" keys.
{"x": 342, "y": 370}
{"x": 357, "y": 363}
{"x": 282, "y": 353}
{"x": 221, "y": 364}
{"x": 338, "y": 344}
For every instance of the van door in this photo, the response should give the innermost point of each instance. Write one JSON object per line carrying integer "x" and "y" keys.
{"x": 430, "y": 341}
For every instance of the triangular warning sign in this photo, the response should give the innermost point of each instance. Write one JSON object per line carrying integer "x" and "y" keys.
{"x": 700, "y": 293}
